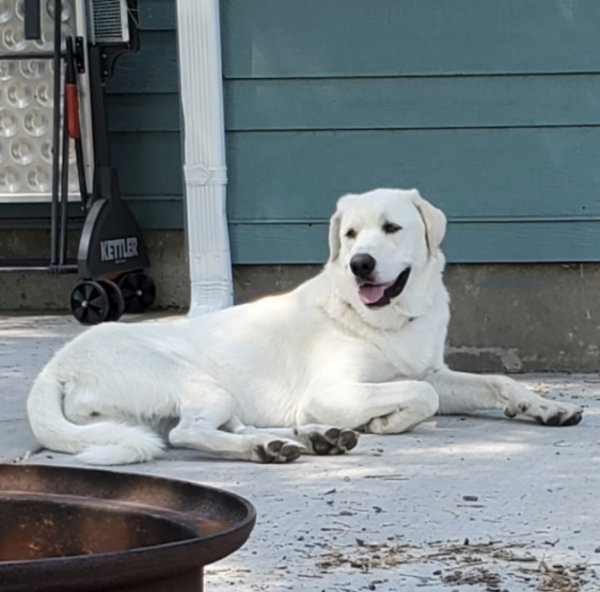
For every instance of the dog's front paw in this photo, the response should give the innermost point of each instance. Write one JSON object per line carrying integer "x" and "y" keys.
{"x": 550, "y": 413}
{"x": 333, "y": 441}
{"x": 518, "y": 400}
{"x": 276, "y": 451}
{"x": 558, "y": 414}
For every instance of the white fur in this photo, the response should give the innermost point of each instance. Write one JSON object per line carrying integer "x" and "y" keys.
{"x": 316, "y": 355}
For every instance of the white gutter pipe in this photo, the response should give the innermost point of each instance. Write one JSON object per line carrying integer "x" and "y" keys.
{"x": 205, "y": 172}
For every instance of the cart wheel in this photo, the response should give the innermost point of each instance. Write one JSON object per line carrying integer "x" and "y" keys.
{"x": 90, "y": 304}
{"x": 139, "y": 291}
{"x": 115, "y": 299}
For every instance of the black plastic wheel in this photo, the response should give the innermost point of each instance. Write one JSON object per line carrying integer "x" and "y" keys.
{"x": 90, "y": 304}
{"x": 139, "y": 291}
{"x": 115, "y": 299}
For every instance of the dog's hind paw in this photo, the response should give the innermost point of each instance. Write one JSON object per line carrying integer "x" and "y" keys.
{"x": 276, "y": 451}
{"x": 333, "y": 441}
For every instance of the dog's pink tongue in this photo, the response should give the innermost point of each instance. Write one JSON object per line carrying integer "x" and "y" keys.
{"x": 369, "y": 294}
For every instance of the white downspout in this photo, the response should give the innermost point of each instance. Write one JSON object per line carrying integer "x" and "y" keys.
{"x": 205, "y": 172}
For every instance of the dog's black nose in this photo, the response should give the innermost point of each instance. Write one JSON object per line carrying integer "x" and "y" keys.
{"x": 362, "y": 265}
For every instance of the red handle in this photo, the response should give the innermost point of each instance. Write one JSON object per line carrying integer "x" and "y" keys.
{"x": 72, "y": 110}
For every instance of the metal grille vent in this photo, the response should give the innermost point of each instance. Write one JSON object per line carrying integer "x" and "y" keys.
{"x": 108, "y": 22}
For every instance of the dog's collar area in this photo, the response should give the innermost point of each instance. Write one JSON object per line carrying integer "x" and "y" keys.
{"x": 383, "y": 293}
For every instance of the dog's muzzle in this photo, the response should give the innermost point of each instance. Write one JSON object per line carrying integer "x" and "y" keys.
{"x": 378, "y": 295}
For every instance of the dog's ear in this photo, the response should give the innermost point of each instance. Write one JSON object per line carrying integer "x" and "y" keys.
{"x": 334, "y": 235}
{"x": 434, "y": 220}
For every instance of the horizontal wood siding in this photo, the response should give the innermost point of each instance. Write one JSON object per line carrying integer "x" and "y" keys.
{"x": 413, "y": 102}
{"x": 533, "y": 241}
{"x": 296, "y": 174}
{"x": 316, "y": 38}
{"x": 490, "y": 107}
{"x": 144, "y": 118}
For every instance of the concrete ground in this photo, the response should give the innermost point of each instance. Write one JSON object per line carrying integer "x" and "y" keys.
{"x": 460, "y": 504}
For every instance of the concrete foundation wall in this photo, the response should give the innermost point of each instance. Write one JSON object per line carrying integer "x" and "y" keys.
{"x": 509, "y": 318}
{"x": 514, "y": 318}
{"x": 33, "y": 291}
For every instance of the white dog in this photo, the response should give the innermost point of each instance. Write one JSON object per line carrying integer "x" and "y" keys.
{"x": 360, "y": 346}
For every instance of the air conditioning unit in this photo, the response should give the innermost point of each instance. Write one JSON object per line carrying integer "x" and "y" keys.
{"x": 109, "y": 22}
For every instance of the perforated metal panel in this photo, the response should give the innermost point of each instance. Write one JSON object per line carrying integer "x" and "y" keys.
{"x": 26, "y": 101}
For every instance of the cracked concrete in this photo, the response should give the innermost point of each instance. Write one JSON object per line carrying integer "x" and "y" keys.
{"x": 509, "y": 358}
{"x": 460, "y": 504}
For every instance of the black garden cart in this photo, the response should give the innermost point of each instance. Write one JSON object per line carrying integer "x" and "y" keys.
{"x": 112, "y": 255}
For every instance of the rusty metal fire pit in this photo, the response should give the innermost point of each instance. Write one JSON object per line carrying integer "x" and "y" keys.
{"x": 67, "y": 530}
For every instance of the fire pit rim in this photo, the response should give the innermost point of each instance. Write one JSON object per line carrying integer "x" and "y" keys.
{"x": 160, "y": 559}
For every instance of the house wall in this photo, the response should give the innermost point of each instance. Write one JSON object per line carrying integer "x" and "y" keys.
{"x": 492, "y": 109}
{"x": 143, "y": 103}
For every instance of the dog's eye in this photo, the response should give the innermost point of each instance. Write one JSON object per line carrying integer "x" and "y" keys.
{"x": 390, "y": 228}
{"x": 351, "y": 233}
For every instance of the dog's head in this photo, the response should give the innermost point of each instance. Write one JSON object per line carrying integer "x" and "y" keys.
{"x": 379, "y": 240}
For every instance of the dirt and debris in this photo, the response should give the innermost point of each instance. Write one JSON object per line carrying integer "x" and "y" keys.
{"x": 470, "y": 498}
{"x": 541, "y": 388}
{"x": 497, "y": 566}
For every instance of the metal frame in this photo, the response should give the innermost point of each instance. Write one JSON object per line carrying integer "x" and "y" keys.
{"x": 107, "y": 217}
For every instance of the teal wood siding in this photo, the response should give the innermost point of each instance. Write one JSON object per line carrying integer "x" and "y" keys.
{"x": 143, "y": 103}
{"x": 490, "y": 107}
{"x": 143, "y": 112}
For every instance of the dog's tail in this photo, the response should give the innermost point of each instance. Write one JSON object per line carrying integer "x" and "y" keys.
{"x": 99, "y": 443}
